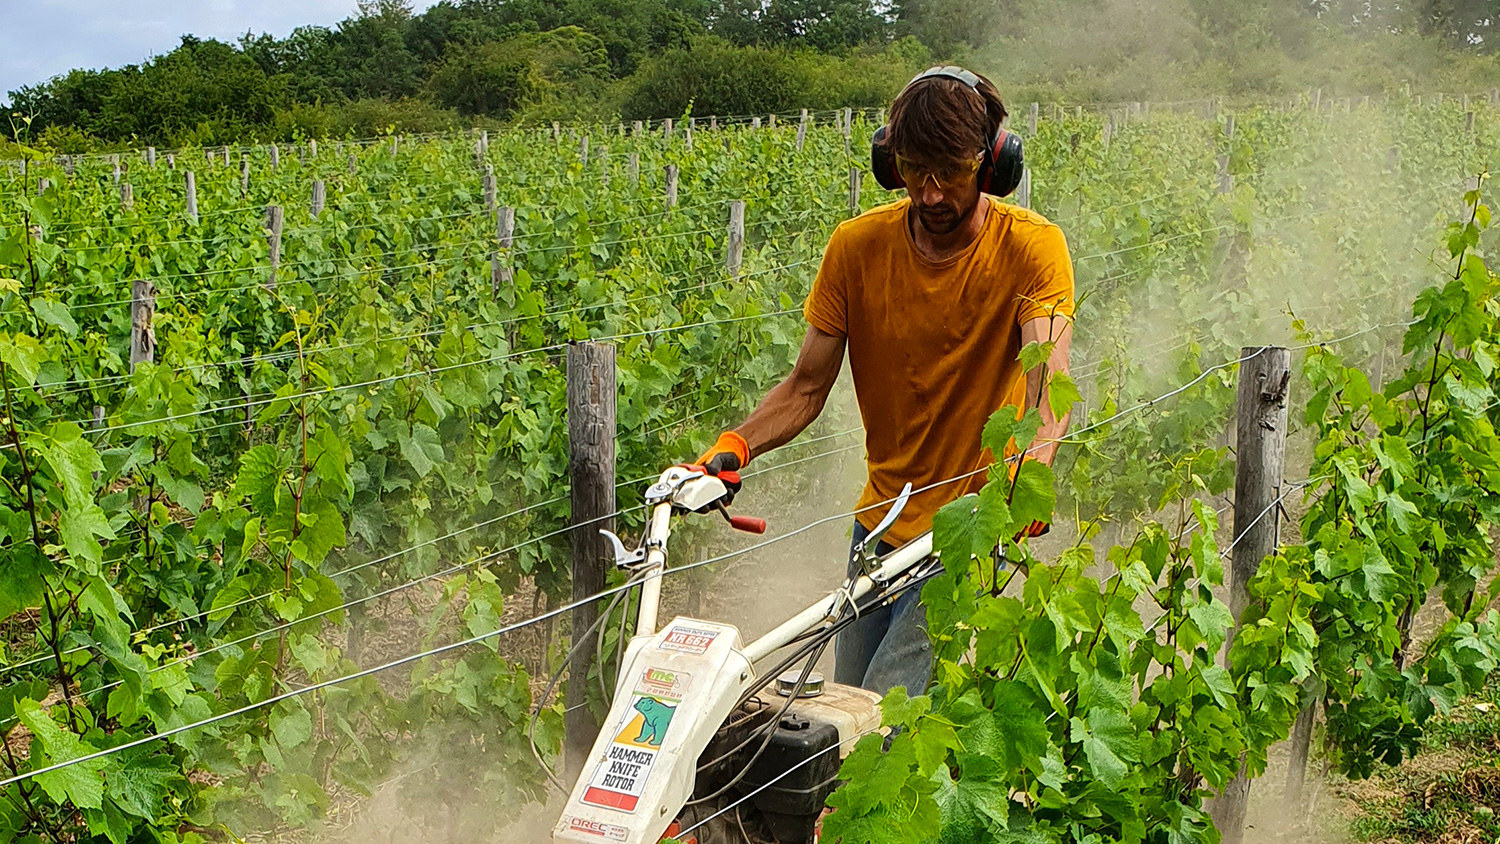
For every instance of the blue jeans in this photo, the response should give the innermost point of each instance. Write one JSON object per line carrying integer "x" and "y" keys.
{"x": 886, "y": 647}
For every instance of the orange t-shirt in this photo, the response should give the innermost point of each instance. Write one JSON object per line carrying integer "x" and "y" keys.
{"x": 933, "y": 346}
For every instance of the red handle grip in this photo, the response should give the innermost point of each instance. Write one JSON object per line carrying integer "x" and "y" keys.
{"x": 729, "y": 477}
{"x": 748, "y": 524}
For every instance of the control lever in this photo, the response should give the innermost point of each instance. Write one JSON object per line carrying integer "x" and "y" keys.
{"x": 748, "y": 524}
{"x": 864, "y": 550}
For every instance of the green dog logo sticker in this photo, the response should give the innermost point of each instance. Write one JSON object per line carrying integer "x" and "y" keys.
{"x": 655, "y": 718}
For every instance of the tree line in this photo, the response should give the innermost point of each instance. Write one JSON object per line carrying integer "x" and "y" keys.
{"x": 467, "y": 62}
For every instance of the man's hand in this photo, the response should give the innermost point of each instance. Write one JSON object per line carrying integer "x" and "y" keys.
{"x": 724, "y": 459}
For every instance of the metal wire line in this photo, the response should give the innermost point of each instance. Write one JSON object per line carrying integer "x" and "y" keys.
{"x": 241, "y": 405}
{"x": 276, "y": 357}
{"x": 431, "y": 542}
{"x": 488, "y": 240}
{"x": 257, "y": 636}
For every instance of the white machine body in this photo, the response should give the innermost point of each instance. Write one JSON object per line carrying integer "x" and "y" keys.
{"x": 676, "y": 689}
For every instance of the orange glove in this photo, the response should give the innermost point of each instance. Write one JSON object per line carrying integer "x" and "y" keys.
{"x": 730, "y": 453}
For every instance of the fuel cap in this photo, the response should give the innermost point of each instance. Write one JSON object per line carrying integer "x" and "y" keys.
{"x": 788, "y": 681}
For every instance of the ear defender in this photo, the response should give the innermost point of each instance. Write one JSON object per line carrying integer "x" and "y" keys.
{"x": 999, "y": 173}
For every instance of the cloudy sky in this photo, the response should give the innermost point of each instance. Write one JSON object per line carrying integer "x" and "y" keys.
{"x": 42, "y": 38}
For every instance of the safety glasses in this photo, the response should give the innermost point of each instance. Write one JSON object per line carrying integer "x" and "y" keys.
{"x": 945, "y": 178}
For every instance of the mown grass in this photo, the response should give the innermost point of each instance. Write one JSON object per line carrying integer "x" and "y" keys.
{"x": 1449, "y": 793}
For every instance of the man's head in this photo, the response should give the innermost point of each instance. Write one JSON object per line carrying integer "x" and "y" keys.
{"x": 939, "y": 131}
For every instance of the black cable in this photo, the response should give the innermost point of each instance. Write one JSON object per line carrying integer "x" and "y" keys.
{"x": 536, "y": 713}
{"x": 771, "y": 733}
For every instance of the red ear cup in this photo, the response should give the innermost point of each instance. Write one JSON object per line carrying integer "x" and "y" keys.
{"x": 883, "y": 164}
{"x": 1004, "y": 166}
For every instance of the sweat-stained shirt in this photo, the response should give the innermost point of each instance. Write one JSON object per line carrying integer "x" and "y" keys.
{"x": 933, "y": 346}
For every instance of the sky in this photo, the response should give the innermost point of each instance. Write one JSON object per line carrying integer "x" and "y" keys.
{"x": 40, "y": 39}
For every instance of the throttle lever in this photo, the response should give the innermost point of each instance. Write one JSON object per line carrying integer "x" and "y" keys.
{"x": 748, "y": 524}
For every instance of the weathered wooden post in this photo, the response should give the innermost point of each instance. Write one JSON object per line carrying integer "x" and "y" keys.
{"x": 633, "y": 167}
{"x": 1031, "y": 120}
{"x": 273, "y": 239}
{"x": 151, "y": 157}
{"x": 142, "y": 315}
{"x": 127, "y": 196}
{"x": 319, "y": 198}
{"x": 856, "y": 178}
{"x": 1226, "y": 180}
{"x": 735, "y": 253}
{"x": 500, "y": 265}
{"x": 275, "y": 156}
{"x": 801, "y": 134}
{"x": 671, "y": 186}
{"x": 490, "y": 200}
{"x": 1259, "y": 448}
{"x": 244, "y": 175}
{"x": 591, "y": 469}
{"x": 192, "y": 195}
{"x": 1023, "y": 190}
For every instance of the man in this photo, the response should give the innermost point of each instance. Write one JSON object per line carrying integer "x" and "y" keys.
{"x": 934, "y": 296}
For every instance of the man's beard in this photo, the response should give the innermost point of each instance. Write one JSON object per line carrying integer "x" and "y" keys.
{"x": 943, "y": 219}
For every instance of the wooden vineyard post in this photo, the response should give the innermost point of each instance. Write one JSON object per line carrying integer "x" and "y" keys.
{"x": 67, "y": 164}
{"x": 637, "y": 128}
{"x": 319, "y": 197}
{"x": 192, "y": 195}
{"x": 848, "y": 130}
{"x": 801, "y": 134}
{"x": 687, "y": 138}
{"x": 1259, "y": 447}
{"x": 633, "y": 167}
{"x": 713, "y": 123}
{"x": 273, "y": 239}
{"x": 490, "y": 200}
{"x": 556, "y": 133}
{"x": 275, "y": 156}
{"x": 505, "y": 234}
{"x": 171, "y": 162}
{"x": 1032, "y": 118}
{"x": 755, "y": 123}
{"x": 735, "y": 253}
{"x": 244, "y": 175}
{"x": 142, "y": 314}
{"x": 42, "y": 185}
{"x": 583, "y": 149}
{"x": 312, "y": 149}
{"x": 671, "y": 186}
{"x": 353, "y": 164}
{"x": 1469, "y": 122}
{"x": 771, "y": 120}
{"x": 1023, "y": 190}
{"x": 115, "y": 160}
{"x": 591, "y": 468}
{"x": 856, "y": 177}
{"x": 1109, "y": 129}
{"x": 1229, "y": 127}
{"x": 666, "y": 127}
{"x": 127, "y": 196}
{"x": 1226, "y": 181}
{"x": 151, "y": 157}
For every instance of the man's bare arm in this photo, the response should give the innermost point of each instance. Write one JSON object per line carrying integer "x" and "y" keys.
{"x": 793, "y": 404}
{"x": 1057, "y": 330}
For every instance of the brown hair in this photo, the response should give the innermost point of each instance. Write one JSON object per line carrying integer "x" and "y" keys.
{"x": 942, "y": 120}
